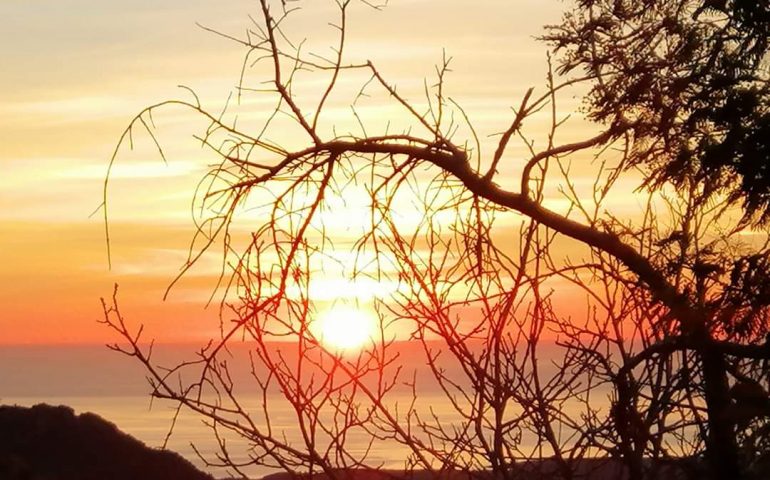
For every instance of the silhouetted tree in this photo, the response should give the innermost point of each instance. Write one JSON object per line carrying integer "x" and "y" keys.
{"x": 673, "y": 340}
{"x": 689, "y": 79}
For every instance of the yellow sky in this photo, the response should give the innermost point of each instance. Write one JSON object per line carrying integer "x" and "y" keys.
{"x": 75, "y": 71}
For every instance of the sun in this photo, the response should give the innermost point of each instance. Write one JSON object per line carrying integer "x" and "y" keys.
{"x": 345, "y": 328}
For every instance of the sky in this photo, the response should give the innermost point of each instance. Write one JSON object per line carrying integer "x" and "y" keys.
{"x": 74, "y": 72}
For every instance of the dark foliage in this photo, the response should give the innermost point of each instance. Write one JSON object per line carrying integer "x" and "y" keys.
{"x": 52, "y": 443}
{"x": 689, "y": 79}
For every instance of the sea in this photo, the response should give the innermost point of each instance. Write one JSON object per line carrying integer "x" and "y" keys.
{"x": 93, "y": 378}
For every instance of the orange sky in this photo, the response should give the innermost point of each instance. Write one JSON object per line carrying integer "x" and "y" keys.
{"x": 75, "y": 72}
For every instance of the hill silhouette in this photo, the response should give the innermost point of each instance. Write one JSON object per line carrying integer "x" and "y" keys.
{"x": 53, "y": 443}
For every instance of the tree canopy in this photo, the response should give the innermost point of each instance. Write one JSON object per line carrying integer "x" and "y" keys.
{"x": 674, "y": 334}
{"x": 689, "y": 79}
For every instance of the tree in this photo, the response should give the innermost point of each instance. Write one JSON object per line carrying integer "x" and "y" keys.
{"x": 676, "y": 298}
{"x": 689, "y": 79}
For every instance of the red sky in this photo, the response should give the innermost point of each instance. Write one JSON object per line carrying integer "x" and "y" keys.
{"x": 74, "y": 76}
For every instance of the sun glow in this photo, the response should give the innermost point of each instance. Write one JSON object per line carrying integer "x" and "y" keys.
{"x": 346, "y": 328}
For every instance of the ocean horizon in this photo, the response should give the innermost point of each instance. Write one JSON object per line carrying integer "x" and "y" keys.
{"x": 92, "y": 378}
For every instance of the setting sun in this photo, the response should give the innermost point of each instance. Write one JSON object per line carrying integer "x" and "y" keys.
{"x": 345, "y": 327}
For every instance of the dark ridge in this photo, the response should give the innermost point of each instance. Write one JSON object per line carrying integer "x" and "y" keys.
{"x": 52, "y": 443}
